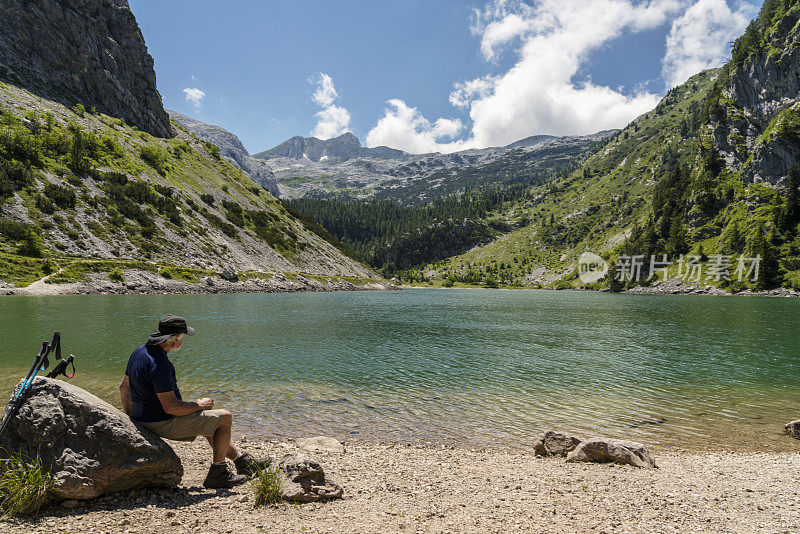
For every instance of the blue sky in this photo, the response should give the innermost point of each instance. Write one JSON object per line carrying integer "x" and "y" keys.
{"x": 428, "y": 75}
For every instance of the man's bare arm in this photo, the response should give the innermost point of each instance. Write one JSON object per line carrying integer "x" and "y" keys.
{"x": 175, "y": 407}
{"x": 125, "y": 395}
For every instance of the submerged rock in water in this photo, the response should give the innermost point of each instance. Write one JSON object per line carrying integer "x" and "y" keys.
{"x": 555, "y": 444}
{"x": 302, "y": 480}
{"x": 90, "y": 447}
{"x": 612, "y": 450}
{"x": 793, "y": 429}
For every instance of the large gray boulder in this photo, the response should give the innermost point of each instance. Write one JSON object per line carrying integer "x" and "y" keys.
{"x": 89, "y": 446}
{"x": 793, "y": 429}
{"x": 604, "y": 450}
{"x": 302, "y": 480}
{"x": 555, "y": 444}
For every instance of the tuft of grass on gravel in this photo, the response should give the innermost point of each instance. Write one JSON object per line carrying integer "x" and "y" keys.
{"x": 266, "y": 485}
{"x": 24, "y": 486}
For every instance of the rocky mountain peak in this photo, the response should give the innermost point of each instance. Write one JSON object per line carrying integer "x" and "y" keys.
{"x": 88, "y": 52}
{"x": 337, "y": 149}
{"x": 230, "y": 147}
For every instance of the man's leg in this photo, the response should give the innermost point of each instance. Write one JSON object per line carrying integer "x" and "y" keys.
{"x": 222, "y": 448}
{"x": 221, "y": 440}
{"x": 232, "y": 452}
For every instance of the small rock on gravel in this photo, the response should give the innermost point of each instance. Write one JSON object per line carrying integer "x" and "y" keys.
{"x": 604, "y": 450}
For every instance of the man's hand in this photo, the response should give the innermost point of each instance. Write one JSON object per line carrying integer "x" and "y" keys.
{"x": 175, "y": 407}
{"x": 205, "y": 403}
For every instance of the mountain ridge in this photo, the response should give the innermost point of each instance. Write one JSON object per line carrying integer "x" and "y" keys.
{"x": 231, "y": 147}
{"x": 413, "y": 179}
{"x": 340, "y": 149}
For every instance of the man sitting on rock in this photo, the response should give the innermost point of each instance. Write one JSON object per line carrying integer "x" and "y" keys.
{"x": 150, "y": 395}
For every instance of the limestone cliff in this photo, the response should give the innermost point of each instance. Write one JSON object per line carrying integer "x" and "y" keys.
{"x": 88, "y": 52}
{"x": 755, "y": 124}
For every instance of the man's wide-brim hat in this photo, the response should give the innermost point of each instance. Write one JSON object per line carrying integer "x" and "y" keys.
{"x": 168, "y": 326}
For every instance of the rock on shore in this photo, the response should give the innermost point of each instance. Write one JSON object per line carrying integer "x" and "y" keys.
{"x": 680, "y": 287}
{"x": 303, "y": 480}
{"x": 604, "y": 450}
{"x": 793, "y": 429}
{"x": 90, "y": 447}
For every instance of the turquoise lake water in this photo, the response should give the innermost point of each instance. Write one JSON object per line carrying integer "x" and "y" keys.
{"x": 464, "y": 367}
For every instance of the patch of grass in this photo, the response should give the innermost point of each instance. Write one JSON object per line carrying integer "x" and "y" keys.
{"x": 21, "y": 271}
{"x": 63, "y": 197}
{"x": 77, "y": 270}
{"x": 212, "y": 149}
{"x": 266, "y": 485}
{"x": 24, "y": 486}
{"x": 172, "y": 272}
{"x": 116, "y": 275}
{"x": 156, "y": 157}
{"x": 226, "y": 228}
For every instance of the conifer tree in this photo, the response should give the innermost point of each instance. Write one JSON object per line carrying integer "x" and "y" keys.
{"x": 677, "y": 243}
{"x": 793, "y": 197}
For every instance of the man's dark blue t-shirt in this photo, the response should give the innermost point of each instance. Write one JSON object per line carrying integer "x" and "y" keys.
{"x": 150, "y": 372}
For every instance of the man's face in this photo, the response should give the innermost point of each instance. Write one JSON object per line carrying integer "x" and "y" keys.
{"x": 178, "y": 341}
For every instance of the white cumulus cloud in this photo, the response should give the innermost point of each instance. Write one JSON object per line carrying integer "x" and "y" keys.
{"x": 405, "y": 128}
{"x": 332, "y": 120}
{"x": 699, "y": 39}
{"x": 539, "y": 94}
{"x": 194, "y": 96}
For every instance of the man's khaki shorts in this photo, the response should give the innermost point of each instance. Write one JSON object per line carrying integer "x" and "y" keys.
{"x": 186, "y": 427}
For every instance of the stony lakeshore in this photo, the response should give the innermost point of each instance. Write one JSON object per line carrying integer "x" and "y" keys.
{"x": 408, "y": 488}
{"x": 137, "y": 282}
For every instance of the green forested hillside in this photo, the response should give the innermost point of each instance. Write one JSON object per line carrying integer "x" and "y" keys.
{"x": 472, "y": 205}
{"x": 394, "y": 238}
{"x": 711, "y": 171}
{"x": 533, "y": 220}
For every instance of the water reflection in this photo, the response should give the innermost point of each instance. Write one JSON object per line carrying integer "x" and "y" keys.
{"x": 461, "y": 366}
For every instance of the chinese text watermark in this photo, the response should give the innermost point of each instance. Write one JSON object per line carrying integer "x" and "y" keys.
{"x": 689, "y": 268}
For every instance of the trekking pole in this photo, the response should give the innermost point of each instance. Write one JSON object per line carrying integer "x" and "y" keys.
{"x": 40, "y": 364}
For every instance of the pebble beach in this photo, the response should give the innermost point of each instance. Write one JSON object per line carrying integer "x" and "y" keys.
{"x": 411, "y": 488}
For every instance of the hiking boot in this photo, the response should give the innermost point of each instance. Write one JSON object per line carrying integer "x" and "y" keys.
{"x": 220, "y": 477}
{"x": 247, "y": 465}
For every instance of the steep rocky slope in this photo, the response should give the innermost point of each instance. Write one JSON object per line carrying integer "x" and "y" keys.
{"x": 756, "y": 115}
{"x": 95, "y": 180}
{"x": 231, "y": 148}
{"x": 75, "y": 185}
{"x": 88, "y": 52}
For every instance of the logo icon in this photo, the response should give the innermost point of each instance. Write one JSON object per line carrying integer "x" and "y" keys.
{"x": 591, "y": 267}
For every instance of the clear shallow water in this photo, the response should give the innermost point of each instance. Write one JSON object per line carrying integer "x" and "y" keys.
{"x": 468, "y": 367}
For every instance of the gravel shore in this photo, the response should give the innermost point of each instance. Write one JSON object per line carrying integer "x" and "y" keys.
{"x": 146, "y": 283}
{"x": 400, "y": 488}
